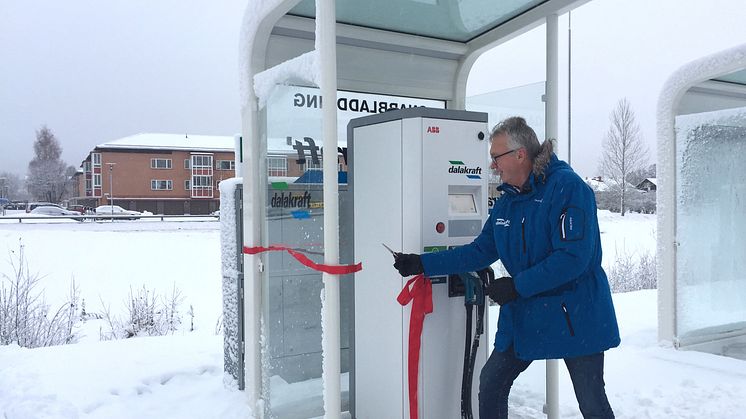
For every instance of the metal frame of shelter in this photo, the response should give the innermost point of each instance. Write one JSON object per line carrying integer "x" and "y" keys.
{"x": 363, "y": 58}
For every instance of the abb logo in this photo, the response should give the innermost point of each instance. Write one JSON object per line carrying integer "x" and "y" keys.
{"x": 433, "y": 130}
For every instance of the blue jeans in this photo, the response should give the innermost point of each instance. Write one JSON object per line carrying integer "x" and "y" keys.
{"x": 502, "y": 368}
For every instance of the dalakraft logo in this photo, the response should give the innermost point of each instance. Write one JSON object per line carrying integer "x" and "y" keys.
{"x": 457, "y": 166}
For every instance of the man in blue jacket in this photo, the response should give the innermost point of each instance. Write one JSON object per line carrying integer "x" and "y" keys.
{"x": 556, "y": 303}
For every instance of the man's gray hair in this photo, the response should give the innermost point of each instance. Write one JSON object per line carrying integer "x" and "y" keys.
{"x": 520, "y": 135}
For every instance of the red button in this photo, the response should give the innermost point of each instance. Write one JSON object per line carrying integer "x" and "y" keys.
{"x": 440, "y": 227}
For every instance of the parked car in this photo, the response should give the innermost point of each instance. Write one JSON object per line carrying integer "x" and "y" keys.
{"x": 16, "y": 205}
{"x": 117, "y": 211}
{"x": 56, "y": 211}
{"x": 31, "y": 205}
{"x": 81, "y": 209}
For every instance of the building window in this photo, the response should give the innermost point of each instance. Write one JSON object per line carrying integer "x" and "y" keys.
{"x": 87, "y": 166}
{"x": 186, "y": 164}
{"x": 161, "y": 185}
{"x": 96, "y": 157}
{"x": 160, "y": 163}
{"x": 201, "y": 160}
{"x": 311, "y": 165}
{"x": 96, "y": 180}
{"x": 202, "y": 181}
{"x": 187, "y": 185}
{"x": 277, "y": 166}
{"x": 226, "y": 165}
{"x": 88, "y": 185}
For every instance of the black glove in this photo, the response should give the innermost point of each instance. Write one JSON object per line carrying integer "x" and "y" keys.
{"x": 408, "y": 264}
{"x": 502, "y": 291}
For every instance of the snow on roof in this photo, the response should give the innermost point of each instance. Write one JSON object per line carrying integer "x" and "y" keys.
{"x": 185, "y": 142}
{"x": 151, "y": 141}
{"x": 596, "y": 184}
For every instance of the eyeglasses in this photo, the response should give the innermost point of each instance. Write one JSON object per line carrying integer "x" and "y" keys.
{"x": 495, "y": 158}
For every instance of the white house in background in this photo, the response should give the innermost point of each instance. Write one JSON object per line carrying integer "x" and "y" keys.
{"x": 599, "y": 184}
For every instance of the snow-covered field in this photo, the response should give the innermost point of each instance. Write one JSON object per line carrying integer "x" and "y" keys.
{"x": 181, "y": 376}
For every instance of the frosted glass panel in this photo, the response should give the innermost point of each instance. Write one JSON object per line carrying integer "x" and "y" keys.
{"x": 711, "y": 222}
{"x": 292, "y": 357}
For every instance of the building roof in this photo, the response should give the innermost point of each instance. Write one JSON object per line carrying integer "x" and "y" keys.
{"x": 186, "y": 142}
{"x": 650, "y": 180}
{"x": 596, "y": 184}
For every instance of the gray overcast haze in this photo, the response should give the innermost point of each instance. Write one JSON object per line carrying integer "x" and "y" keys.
{"x": 97, "y": 71}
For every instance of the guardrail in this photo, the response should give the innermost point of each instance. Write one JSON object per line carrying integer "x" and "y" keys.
{"x": 109, "y": 217}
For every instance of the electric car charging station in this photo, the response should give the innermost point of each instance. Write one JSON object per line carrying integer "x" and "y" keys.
{"x": 399, "y": 48}
{"x": 419, "y": 184}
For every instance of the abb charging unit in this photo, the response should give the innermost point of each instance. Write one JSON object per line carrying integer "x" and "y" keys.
{"x": 419, "y": 179}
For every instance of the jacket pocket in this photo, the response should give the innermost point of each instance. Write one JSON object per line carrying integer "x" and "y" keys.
{"x": 567, "y": 319}
{"x": 544, "y": 321}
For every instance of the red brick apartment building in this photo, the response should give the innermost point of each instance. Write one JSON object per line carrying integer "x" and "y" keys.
{"x": 160, "y": 173}
{"x": 174, "y": 173}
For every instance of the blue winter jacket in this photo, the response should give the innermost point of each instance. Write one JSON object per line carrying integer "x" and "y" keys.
{"x": 548, "y": 239}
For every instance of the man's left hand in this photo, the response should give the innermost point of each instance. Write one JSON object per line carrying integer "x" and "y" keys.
{"x": 502, "y": 291}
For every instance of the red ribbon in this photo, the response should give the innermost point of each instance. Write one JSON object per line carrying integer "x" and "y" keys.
{"x": 330, "y": 269}
{"x": 419, "y": 290}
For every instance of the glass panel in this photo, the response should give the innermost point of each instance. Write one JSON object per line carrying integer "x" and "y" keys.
{"x": 711, "y": 199}
{"x": 292, "y": 306}
{"x": 453, "y": 20}
{"x": 738, "y": 77}
{"x": 522, "y": 101}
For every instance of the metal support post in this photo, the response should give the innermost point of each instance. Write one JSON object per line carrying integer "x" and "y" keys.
{"x": 326, "y": 45}
{"x": 551, "y": 408}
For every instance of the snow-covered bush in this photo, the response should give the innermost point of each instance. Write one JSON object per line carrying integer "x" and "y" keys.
{"x": 642, "y": 202}
{"x": 636, "y": 201}
{"x": 628, "y": 273}
{"x": 25, "y": 317}
{"x": 646, "y": 272}
{"x": 148, "y": 314}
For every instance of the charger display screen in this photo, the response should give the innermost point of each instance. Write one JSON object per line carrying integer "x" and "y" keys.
{"x": 462, "y": 203}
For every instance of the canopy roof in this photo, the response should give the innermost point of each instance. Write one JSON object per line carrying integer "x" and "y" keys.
{"x": 414, "y": 48}
{"x": 459, "y": 21}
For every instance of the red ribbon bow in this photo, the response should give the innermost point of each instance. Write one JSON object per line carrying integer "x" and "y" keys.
{"x": 419, "y": 290}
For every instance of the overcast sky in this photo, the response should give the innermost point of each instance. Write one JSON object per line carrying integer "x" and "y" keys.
{"x": 96, "y": 71}
{"x": 620, "y": 48}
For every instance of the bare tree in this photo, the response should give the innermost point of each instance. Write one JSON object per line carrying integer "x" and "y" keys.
{"x": 623, "y": 150}
{"x": 48, "y": 178}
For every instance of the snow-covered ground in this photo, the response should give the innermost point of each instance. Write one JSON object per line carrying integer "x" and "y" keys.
{"x": 181, "y": 376}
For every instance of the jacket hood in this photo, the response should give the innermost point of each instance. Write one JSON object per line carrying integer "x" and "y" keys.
{"x": 555, "y": 165}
